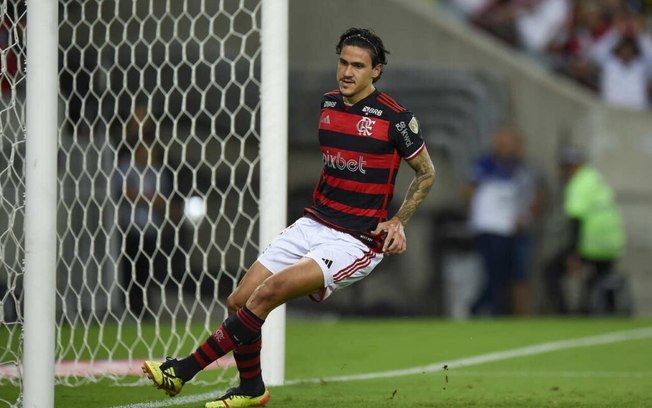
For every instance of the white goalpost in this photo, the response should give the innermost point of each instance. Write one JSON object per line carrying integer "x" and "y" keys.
{"x": 149, "y": 141}
{"x": 273, "y": 148}
{"x": 40, "y": 204}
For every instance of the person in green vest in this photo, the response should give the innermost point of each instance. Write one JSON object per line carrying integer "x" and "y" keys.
{"x": 597, "y": 236}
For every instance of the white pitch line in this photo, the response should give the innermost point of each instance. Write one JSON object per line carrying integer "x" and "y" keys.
{"x": 602, "y": 339}
{"x": 555, "y": 374}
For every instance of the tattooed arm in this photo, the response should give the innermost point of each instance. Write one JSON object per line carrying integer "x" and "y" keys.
{"x": 424, "y": 177}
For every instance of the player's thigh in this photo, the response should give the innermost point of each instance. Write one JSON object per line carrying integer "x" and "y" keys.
{"x": 301, "y": 279}
{"x": 255, "y": 275}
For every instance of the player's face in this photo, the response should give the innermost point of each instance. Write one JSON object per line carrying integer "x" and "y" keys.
{"x": 355, "y": 73}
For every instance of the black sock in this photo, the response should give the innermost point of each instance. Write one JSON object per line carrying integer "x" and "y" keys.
{"x": 187, "y": 368}
{"x": 247, "y": 358}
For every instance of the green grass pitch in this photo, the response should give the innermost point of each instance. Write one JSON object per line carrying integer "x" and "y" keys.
{"x": 564, "y": 372}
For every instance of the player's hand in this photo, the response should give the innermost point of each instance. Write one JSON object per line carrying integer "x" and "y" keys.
{"x": 395, "y": 241}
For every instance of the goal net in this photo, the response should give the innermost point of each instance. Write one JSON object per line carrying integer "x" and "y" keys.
{"x": 12, "y": 186}
{"x": 158, "y": 179}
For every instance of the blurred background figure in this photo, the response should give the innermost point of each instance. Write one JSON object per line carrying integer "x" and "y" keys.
{"x": 570, "y": 50}
{"x": 528, "y": 24}
{"x": 504, "y": 196}
{"x": 143, "y": 188}
{"x": 605, "y": 45}
{"x": 539, "y": 21}
{"x": 597, "y": 236}
{"x": 623, "y": 59}
{"x": 469, "y": 8}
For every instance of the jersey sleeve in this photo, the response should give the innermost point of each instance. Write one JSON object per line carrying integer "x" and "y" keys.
{"x": 406, "y": 131}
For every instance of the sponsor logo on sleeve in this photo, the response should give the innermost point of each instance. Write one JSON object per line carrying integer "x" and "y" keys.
{"x": 414, "y": 125}
{"x": 403, "y": 130}
{"x": 329, "y": 104}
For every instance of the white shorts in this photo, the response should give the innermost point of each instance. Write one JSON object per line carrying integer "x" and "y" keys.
{"x": 343, "y": 259}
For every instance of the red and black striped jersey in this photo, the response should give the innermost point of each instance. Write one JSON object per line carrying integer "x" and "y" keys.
{"x": 362, "y": 147}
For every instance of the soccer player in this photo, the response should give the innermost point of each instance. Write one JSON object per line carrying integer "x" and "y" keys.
{"x": 343, "y": 235}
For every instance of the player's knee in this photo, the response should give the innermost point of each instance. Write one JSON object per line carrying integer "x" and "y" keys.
{"x": 234, "y": 302}
{"x": 268, "y": 295}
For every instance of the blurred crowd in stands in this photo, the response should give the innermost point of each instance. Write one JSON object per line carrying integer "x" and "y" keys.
{"x": 605, "y": 45}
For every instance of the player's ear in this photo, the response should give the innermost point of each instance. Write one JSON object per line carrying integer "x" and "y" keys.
{"x": 376, "y": 71}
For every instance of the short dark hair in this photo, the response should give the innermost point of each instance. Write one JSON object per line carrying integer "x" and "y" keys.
{"x": 365, "y": 38}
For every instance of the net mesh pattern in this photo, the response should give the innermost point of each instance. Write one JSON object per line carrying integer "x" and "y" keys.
{"x": 157, "y": 178}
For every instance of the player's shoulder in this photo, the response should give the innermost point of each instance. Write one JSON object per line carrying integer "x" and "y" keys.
{"x": 331, "y": 95}
{"x": 392, "y": 109}
{"x": 485, "y": 165}
{"x": 389, "y": 103}
{"x": 397, "y": 114}
{"x": 330, "y": 99}
{"x": 485, "y": 160}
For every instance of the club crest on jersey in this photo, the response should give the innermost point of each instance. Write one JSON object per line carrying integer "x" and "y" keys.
{"x": 365, "y": 126}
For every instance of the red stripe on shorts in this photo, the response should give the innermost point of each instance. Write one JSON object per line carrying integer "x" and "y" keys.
{"x": 354, "y": 267}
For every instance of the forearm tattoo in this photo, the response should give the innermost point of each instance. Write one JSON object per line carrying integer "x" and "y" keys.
{"x": 419, "y": 187}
